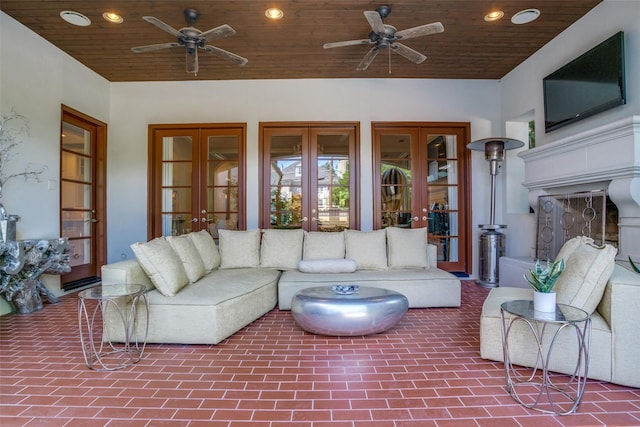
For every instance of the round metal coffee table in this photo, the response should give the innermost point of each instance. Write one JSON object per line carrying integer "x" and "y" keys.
{"x": 347, "y": 310}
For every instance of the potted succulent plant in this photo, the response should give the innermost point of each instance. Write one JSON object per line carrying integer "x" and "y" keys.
{"x": 542, "y": 280}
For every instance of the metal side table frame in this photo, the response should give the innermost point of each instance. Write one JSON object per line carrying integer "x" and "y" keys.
{"x": 101, "y": 353}
{"x": 548, "y": 391}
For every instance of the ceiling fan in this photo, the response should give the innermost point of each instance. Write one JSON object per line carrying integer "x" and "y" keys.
{"x": 193, "y": 39}
{"x": 384, "y": 36}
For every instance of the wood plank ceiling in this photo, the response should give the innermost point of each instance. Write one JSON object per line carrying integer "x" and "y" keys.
{"x": 292, "y": 48}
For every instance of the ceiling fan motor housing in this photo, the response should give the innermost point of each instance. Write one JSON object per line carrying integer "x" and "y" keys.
{"x": 384, "y": 11}
{"x": 191, "y": 16}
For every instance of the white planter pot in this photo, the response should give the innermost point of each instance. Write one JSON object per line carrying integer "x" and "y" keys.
{"x": 544, "y": 301}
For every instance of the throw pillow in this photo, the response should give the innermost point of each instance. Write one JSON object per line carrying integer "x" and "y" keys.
{"x": 323, "y": 245}
{"x": 281, "y": 249}
{"x": 239, "y": 249}
{"x": 367, "y": 248}
{"x": 189, "y": 255}
{"x": 338, "y": 265}
{"x": 207, "y": 248}
{"x": 587, "y": 270}
{"x": 407, "y": 247}
{"x": 163, "y": 266}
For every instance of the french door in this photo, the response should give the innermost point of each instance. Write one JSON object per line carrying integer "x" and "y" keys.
{"x": 196, "y": 178}
{"x": 83, "y": 195}
{"x": 422, "y": 180}
{"x": 309, "y": 176}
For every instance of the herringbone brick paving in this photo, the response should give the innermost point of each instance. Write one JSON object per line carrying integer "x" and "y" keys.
{"x": 424, "y": 372}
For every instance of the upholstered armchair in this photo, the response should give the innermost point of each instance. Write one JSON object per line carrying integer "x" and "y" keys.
{"x": 593, "y": 282}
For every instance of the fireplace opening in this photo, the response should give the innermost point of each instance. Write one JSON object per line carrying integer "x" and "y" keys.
{"x": 561, "y": 217}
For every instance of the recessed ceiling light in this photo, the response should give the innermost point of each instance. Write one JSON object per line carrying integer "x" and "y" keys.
{"x": 274, "y": 13}
{"x": 525, "y": 16}
{"x": 493, "y": 16}
{"x": 75, "y": 18}
{"x": 112, "y": 17}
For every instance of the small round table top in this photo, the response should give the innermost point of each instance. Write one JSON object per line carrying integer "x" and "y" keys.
{"x": 564, "y": 313}
{"x": 112, "y": 291}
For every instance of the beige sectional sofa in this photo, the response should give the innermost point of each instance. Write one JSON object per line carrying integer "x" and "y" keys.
{"x": 593, "y": 282}
{"x": 201, "y": 293}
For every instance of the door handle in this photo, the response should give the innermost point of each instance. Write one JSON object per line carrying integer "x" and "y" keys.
{"x": 415, "y": 218}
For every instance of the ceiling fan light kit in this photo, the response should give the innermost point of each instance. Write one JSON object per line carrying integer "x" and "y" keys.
{"x": 192, "y": 39}
{"x": 384, "y": 36}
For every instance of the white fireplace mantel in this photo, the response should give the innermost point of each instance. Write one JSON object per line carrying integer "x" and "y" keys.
{"x": 603, "y": 158}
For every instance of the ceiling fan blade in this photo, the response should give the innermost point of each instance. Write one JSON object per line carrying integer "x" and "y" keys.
{"x": 221, "y": 53}
{"x": 152, "y": 47}
{"x": 375, "y": 21}
{"x": 412, "y": 55}
{"x": 217, "y": 33}
{"x": 422, "y": 30}
{"x": 346, "y": 43}
{"x": 192, "y": 61}
{"x": 368, "y": 58}
{"x": 165, "y": 27}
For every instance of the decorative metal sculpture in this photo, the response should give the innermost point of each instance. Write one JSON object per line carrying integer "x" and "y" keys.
{"x": 21, "y": 265}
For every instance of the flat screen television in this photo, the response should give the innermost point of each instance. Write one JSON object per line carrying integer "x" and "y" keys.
{"x": 588, "y": 85}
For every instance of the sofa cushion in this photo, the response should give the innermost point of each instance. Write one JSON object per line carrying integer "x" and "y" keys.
{"x": 189, "y": 255}
{"x": 162, "y": 264}
{"x": 335, "y": 265}
{"x": 367, "y": 248}
{"x": 206, "y": 246}
{"x": 588, "y": 267}
{"x": 407, "y": 247}
{"x": 239, "y": 249}
{"x": 323, "y": 245}
{"x": 281, "y": 249}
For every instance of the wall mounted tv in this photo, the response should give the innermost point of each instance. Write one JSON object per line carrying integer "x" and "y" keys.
{"x": 588, "y": 85}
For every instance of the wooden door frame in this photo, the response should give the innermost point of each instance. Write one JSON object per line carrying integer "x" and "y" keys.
{"x": 99, "y": 179}
{"x": 265, "y": 167}
{"x": 464, "y": 171}
{"x": 154, "y": 178}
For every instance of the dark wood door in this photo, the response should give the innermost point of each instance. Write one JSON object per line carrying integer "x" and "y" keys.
{"x": 423, "y": 181}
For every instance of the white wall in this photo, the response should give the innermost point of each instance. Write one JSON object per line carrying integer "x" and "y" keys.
{"x": 522, "y": 89}
{"x": 35, "y": 80}
{"x": 136, "y": 105}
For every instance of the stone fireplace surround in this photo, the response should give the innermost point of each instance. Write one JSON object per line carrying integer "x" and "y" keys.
{"x": 603, "y": 158}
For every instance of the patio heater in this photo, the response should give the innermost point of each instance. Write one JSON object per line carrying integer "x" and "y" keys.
{"x": 492, "y": 242}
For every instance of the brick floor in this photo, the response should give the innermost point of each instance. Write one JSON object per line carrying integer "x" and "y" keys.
{"x": 424, "y": 372}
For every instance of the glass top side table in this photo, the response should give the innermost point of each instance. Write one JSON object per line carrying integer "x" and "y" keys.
{"x": 100, "y": 352}
{"x": 536, "y": 387}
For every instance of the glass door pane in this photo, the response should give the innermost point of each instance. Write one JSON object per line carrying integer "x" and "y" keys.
{"x": 331, "y": 211}
{"x": 442, "y": 178}
{"x": 221, "y": 209}
{"x": 396, "y": 183}
{"x": 77, "y": 200}
{"x": 286, "y": 180}
{"x": 176, "y": 185}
